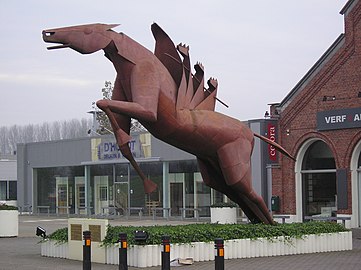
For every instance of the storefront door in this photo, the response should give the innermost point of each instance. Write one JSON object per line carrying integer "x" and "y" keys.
{"x": 62, "y": 195}
{"x": 121, "y": 197}
{"x": 203, "y": 195}
{"x": 80, "y": 195}
{"x": 318, "y": 181}
{"x": 176, "y": 198}
{"x": 101, "y": 194}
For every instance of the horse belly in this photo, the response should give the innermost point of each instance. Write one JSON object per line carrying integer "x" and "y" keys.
{"x": 202, "y": 133}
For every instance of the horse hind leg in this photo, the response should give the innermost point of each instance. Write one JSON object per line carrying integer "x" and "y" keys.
{"x": 214, "y": 179}
{"x": 252, "y": 199}
{"x": 255, "y": 202}
{"x": 234, "y": 159}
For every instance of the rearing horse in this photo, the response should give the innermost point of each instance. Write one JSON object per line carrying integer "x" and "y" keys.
{"x": 160, "y": 91}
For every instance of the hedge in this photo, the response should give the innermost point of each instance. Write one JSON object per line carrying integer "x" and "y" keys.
{"x": 208, "y": 232}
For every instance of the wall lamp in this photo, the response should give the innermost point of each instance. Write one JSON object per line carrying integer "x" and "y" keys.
{"x": 40, "y": 232}
{"x": 329, "y": 98}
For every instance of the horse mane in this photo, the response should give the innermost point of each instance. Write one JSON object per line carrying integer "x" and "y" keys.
{"x": 191, "y": 92}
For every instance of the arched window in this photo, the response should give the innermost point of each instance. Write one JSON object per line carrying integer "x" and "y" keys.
{"x": 318, "y": 180}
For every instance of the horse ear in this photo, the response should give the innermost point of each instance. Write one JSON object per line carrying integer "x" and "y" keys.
{"x": 110, "y": 26}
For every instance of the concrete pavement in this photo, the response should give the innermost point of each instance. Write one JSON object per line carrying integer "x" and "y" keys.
{"x": 23, "y": 252}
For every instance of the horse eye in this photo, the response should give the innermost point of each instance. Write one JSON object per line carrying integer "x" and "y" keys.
{"x": 88, "y": 31}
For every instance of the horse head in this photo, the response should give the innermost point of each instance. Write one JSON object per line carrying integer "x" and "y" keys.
{"x": 84, "y": 39}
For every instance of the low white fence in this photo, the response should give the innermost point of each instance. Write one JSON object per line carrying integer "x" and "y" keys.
{"x": 150, "y": 255}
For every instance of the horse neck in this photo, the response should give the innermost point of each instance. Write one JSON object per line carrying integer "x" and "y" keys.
{"x": 135, "y": 53}
{"x": 129, "y": 48}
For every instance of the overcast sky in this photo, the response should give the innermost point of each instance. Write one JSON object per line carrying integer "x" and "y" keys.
{"x": 258, "y": 50}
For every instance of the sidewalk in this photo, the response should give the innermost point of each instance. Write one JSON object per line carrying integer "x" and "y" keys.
{"x": 23, "y": 252}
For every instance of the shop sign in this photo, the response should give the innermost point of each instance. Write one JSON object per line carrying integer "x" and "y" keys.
{"x": 271, "y": 134}
{"x": 107, "y": 148}
{"x": 339, "y": 119}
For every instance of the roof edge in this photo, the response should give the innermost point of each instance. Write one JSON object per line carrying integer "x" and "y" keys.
{"x": 312, "y": 70}
{"x": 346, "y": 7}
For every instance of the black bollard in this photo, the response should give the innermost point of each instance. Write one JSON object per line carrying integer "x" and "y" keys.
{"x": 219, "y": 257}
{"x": 165, "y": 253}
{"x": 87, "y": 250}
{"x": 123, "y": 245}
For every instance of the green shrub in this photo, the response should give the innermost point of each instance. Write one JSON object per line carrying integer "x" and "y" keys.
{"x": 224, "y": 204}
{"x": 7, "y": 207}
{"x": 60, "y": 235}
{"x": 208, "y": 232}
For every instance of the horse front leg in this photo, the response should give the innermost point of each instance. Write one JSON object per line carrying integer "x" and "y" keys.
{"x": 130, "y": 109}
{"x": 118, "y": 122}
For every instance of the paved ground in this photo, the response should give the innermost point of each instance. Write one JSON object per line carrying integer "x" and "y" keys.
{"x": 23, "y": 252}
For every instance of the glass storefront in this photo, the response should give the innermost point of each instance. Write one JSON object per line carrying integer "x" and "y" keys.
{"x": 98, "y": 188}
{"x": 319, "y": 181}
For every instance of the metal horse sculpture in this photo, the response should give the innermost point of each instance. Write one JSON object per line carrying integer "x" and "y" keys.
{"x": 160, "y": 91}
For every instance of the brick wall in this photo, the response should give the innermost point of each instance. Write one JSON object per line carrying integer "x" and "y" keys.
{"x": 338, "y": 76}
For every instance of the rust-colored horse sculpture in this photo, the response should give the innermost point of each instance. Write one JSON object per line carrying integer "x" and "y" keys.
{"x": 160, "y": 91}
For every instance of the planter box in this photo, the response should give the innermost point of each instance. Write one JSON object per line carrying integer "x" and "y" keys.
{"x": 52, "y": 249}
{"x": 97, "y": 227}
{"x": 224, "y": 215}
{"x": 9, "y": 223}
{"x": 148, "y": 256}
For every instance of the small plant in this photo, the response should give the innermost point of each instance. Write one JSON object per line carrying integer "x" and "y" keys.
{"x": 4, "y": 206}
{"x": 224, "y": 204}
{"x": 59, "y": 236}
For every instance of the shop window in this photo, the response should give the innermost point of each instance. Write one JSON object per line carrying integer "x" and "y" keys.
{"x": 318, "y": 156}
{"x": 103, "y": 193}
{"x": 319, "y": 181}
{"x": 182, "y": 182}
{"x": 3, "y": 190}
{"x": 55, "y": 188}
{"x": 12, "y": 190}
{"x": 121, "y": 173}
{"x": 8, "y": 190}
{"x": 203, "y": 196}
{"x": 153, "y": 171}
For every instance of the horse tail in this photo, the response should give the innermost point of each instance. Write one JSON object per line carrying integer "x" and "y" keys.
{"x": 276, "y": 145}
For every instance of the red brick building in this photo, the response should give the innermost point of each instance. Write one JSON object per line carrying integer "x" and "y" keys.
{"x": 319, "y": 122}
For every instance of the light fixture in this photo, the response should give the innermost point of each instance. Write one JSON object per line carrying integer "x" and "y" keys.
{"x": 329, "y": 98}
{"x": 359, "y": 94}
{"x": 266, "y": 114}
{"x": 140, "y": 236}
{"x": 40, "y": 232}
